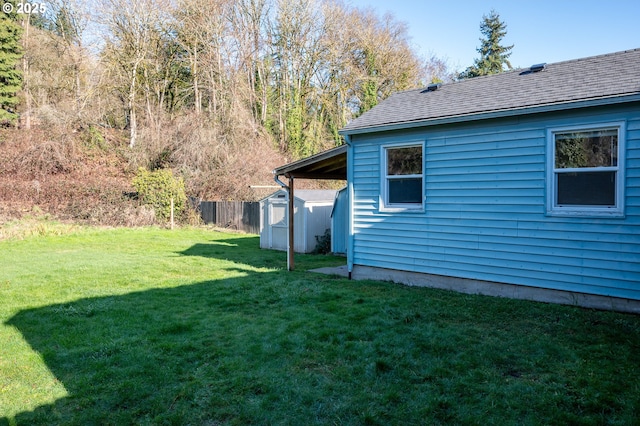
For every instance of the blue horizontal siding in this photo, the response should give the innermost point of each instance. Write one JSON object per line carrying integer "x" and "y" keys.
{"x": 544, "y": 266}
{"x": 576, "y": 280}
{"x": 510, "y": 248}
{"x": 633, "y": 169}
{"x": 485, "y": 213}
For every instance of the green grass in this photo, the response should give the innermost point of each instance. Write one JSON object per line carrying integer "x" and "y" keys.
{"x": 193, "y": 326}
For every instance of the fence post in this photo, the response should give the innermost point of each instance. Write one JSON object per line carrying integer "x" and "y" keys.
{"x": 171, "y": 213}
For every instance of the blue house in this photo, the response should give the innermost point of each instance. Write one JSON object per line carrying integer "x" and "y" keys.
{"x": 524, "y": 184}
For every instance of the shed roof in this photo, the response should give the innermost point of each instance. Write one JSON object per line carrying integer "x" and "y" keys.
{"x": 603, "y": 79}
{"x": 309, "y": 195}
{"x": 316, "y": 195}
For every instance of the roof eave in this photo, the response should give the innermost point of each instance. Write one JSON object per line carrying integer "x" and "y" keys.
{"x": 561, "y": 106}
{"x": 305, "y": 168}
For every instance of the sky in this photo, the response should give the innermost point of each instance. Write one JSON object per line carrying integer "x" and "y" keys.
{"x": 541, "y": 30}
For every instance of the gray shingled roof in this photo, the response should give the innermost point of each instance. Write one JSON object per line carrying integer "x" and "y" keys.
{"x": 559, "y": 85}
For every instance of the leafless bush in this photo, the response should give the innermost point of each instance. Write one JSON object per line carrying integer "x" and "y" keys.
{"x": 219, "y": 159}
{"x": 139, "y": 216}
{"x": 55, "y": 152}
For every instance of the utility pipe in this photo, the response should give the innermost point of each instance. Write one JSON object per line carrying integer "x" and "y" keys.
{"x": 350, "y": 193}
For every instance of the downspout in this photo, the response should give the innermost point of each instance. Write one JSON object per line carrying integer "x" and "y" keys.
{"x": 279, "y": 182}
{"x": 350, "y": 236}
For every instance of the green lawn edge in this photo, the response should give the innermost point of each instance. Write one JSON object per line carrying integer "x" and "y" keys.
{"x": 197, "y": 326}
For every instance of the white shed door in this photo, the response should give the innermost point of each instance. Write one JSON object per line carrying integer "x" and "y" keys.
{"x": 278, "y": 229}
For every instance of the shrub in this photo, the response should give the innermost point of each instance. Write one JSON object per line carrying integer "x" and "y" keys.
{"x": 323, "y": 245}
{"x": 94, "y": 139}
{"x": 157, "y": 188}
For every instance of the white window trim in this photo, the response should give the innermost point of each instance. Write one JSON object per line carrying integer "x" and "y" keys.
{"x": 384, "y": 188}
{"x": 588, "y": 211}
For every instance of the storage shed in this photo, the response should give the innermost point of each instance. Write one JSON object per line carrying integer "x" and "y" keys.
{"x": 312, "y": 218}
{"x": 340, "y": 222}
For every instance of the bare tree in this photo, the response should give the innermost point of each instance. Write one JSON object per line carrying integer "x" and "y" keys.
{"x": 296, "y": 42}
{"x": 26, "y": 73}
{"x": 364, "y": 62}
{"x": 199, "y": 84}
{"x": 200, "y": 27}
{"x": 70, "y": 19}
{"x": 249, "y": 24}
{"x": 134, "y": 35}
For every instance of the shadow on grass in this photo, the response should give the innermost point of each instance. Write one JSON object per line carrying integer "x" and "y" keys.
{"x": 243, "y": 251}
{"x": 232, "y": 350}
{"x": 272, "y": 347}
{"x": 171, "y": 355}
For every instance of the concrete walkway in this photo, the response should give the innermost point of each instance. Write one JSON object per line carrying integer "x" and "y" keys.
{"x": 335, "y": 270}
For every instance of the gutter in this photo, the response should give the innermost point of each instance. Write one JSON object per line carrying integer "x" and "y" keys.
{"x": 476, "y": 116}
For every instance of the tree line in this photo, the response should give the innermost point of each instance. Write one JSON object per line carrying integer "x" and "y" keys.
{"x": 299, "y": 69}
{"x": 197, "y": 85}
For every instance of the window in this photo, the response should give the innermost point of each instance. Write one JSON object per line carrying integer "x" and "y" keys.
{"x": 586, "y": 173}
{"x": 402, "y": 177}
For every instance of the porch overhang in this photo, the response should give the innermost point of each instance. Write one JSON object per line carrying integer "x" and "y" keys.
{"x": 328, "y": 165}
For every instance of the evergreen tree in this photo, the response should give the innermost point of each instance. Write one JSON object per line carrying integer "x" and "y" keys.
{"x": 370, "y": 85}
{"x": 493, "y": 56}
{"x": 10, "y": 75}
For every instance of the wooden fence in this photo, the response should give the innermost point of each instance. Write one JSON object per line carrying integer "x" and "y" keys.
{"x": 239, "y": 215}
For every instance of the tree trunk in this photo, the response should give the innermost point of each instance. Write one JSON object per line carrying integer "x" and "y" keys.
{"x": 25, "y": 74}
{"x": 133, "y": 123}
{"x": 196, "y": 87}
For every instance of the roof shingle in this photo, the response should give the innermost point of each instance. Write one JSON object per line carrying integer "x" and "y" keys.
{"x": 598, "y": 77}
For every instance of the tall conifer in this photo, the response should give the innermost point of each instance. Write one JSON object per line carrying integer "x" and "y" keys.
{"x": 493, "y": 56}
{"x": 10, "y": 75}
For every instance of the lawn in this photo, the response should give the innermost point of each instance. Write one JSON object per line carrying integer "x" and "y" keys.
{"x": 194, "y": 326}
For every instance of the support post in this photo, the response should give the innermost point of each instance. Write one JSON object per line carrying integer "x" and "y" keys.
{"x": 172, "y": 207}
{"x": 290, "y": 246}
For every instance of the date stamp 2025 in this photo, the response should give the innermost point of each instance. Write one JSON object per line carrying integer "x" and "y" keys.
{"x": 25, "y": 8}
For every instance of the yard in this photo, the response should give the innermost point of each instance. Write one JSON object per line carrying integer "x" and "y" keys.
{"x": 194, "y": 326}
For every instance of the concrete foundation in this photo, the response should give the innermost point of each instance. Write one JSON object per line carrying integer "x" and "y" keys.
{"x": 497, "y": 289}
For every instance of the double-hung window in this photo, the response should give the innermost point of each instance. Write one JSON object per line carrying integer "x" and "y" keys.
{"x": 586, "y": 170}
{"x": 402, "y": 177}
